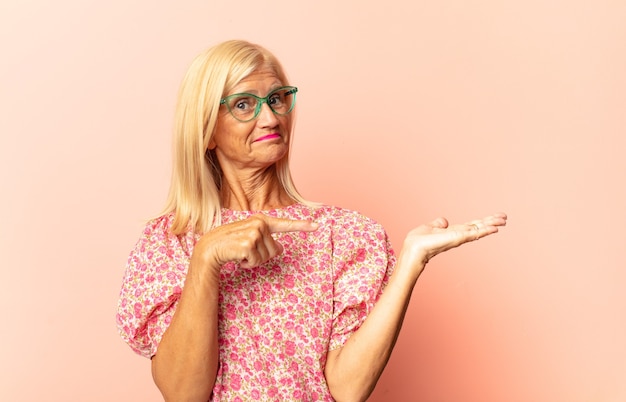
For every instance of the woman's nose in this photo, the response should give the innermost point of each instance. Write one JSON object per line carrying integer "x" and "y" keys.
{"x": 267, "y": 116}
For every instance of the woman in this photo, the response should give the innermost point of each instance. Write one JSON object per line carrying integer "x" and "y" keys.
{"x": 242, "y": 290}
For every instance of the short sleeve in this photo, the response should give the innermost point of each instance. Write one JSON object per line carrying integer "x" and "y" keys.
{"x": 152, "y": 284}
{"x": 363, "y": 261}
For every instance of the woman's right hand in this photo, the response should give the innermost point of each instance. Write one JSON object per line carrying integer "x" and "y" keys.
{"x": 248, "y": 242}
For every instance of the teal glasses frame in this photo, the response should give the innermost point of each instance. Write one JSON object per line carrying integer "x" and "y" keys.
{"x": 233, "y": 100}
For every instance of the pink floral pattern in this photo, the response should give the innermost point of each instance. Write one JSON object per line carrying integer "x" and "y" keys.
{"x": 276, "y": 321}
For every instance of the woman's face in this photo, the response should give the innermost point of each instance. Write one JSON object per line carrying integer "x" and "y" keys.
{"x": 257, "y": 143}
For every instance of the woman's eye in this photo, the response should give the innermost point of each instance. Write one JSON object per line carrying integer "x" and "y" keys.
{"x": 242, "y": 104}
{"x": 275, "y": 99}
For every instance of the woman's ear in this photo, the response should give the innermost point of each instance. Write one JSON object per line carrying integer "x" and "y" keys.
{"x": 212, "y": 145}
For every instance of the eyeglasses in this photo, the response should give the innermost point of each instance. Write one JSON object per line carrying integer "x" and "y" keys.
{"x": 246, "y": 107}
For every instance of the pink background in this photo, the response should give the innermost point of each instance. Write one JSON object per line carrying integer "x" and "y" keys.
{"x": 408, "y": 110}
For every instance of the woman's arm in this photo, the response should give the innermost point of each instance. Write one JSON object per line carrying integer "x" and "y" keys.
{"x": 185, "y": 365}
{"x": 353, "y": 370}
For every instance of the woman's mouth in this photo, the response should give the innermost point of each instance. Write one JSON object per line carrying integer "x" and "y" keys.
{"x": 268, "y": 137}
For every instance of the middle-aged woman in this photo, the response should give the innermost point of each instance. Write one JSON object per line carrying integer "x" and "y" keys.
{"x": 241, "y": 289}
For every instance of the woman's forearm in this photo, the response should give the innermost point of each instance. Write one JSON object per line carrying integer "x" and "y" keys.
{"x": 185, "y": 366}
{"x": 352, "y": 371}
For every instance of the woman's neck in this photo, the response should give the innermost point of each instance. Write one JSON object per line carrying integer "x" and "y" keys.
{"x": 253, "y": 191}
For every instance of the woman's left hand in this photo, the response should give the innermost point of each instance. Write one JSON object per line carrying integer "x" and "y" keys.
{"x": 426, "y": 241}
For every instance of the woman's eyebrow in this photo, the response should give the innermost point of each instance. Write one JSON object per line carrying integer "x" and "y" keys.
{"x": 254, "y": 91}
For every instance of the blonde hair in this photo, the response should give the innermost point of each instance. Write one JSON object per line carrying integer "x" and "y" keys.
{"x": 194, "y": 196}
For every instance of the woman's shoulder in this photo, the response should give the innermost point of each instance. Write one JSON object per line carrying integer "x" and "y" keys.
{"x": 157, "y": 235}
{"x": 158, "y": 230}
{"x": 160, "y": 225}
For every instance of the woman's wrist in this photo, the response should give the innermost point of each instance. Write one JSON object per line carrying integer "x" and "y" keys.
{"x": 411, "y": 264}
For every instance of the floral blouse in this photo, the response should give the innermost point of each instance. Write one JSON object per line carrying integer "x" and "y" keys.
{"x": 277, "y": 321}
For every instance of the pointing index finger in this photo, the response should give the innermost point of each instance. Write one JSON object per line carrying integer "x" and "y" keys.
{"x": 281, "y": 225}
